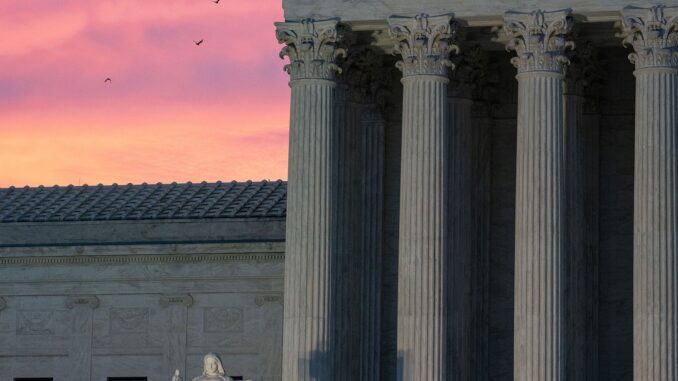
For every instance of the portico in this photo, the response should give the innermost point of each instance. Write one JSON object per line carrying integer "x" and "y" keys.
{"x": 448, "y": 216}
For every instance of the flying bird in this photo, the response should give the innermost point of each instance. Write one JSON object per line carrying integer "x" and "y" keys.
{"x": 198, "y": 42}
{"x": 216, "y": 1}
{"x": 107, "y": 80}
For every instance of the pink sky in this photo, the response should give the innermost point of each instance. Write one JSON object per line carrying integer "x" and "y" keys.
{"x": 173, "y": 111}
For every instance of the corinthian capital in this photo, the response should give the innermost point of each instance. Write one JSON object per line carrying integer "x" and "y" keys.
{"x": 539, "y": 39}
{"x": 653, "y": 33}
{"x": 424, "y": 43}
{"x": 311, "y": 47}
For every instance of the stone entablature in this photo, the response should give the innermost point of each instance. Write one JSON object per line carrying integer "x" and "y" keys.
{"x": 472, "y": 12}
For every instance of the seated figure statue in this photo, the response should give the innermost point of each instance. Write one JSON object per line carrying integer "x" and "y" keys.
{"x": 212, "y": 369}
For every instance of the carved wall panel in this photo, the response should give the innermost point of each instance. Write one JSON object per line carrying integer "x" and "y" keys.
{"x": 35, "y": 322}
{"x": 129, "y": 320}
{"x": 217, "y": 320}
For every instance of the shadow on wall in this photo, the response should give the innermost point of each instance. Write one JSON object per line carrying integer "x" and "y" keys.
{"x": 318, "y": 365}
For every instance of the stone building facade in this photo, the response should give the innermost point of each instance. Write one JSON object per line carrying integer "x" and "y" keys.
{"x": 456, "y": 211}
{"x": 481, "y": 190}
{"x": 108, "y": 283}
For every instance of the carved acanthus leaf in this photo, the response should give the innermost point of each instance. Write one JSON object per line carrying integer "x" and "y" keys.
{"x": 311, "y": 47}
{"x": 653, "y": 33}
{"x": 539, "y": 39}
{"x": 424, "y": 42}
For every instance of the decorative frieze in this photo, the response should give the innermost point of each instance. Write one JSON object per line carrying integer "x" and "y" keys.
{"x": 539, "y": 39}
{"x": 653, "y": 33}
{"x": 90, "y": 301}
{"x": 176, "y": 299}
{"x": 127, "y": 259}
{"x": 311, "y": 47}
{"x": 424, "y": 42}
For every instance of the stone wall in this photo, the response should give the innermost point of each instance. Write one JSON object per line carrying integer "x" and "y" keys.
{"x": 92, "y": 312}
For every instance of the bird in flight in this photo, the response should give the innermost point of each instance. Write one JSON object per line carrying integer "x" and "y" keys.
{"x": 198, "y": 42}
{"x": 216, "y": 1}
{"x": 107, "y": 80}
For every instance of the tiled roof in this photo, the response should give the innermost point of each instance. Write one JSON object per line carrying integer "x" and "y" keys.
{"x": 143, "y": 202}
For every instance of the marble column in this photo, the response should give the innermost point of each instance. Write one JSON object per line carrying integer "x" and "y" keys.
{"x": 581, "y": 154}
{"x": 539, "y": 41}
{"x": 80, "y": 344}
{"x": 459, "y": 224}
{"x": 311, "y": 317}
{"x": 424, "y": 44}
{"x": 360, "y": 169}
{"x": 653, "y": 33}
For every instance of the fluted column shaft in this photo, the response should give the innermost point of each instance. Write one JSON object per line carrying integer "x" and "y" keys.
{"x": 460, "y": 236}
{"x": 540, "y": 195}
{"x": 653, "y": 33}
{"x": 540, "y": 231}
{"x": 423, "y": 229}
{"x": 310, "y": 236}
{"x": 424, "y": 44}
{"x": 313, "y": 323}
{"x": 655, "y": 290}
{"x": 370, "y": 185}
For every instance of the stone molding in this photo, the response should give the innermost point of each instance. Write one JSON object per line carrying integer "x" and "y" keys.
{"x": 539, "y": 39}
{"x": 424, "y": 43}
{"x": 275, "y": 298}
{"x": 653, "y": 34}
{"x": 311, "y": 47}
{"x": 125, "y": 259}
{"x": 176, "y": 299}
{"x": 3, "y": 303}
{"x": 90, "y": 301}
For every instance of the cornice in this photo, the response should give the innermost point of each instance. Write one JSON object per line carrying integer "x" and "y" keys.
{"x": 157, "y": 258}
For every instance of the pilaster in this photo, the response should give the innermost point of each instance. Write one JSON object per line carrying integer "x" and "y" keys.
{"x": 311, "y": 318}
{"x": 80, "y": 345}
{"x": 653, "y": 34}
{"x": 539, "y": 39}
{"x": 424, "y": 44}
{"x": 176, "y": 308}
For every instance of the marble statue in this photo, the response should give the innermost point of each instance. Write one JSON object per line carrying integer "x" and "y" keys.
{"x": 176, "y": 376}
{"x": 212, "y": 369}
